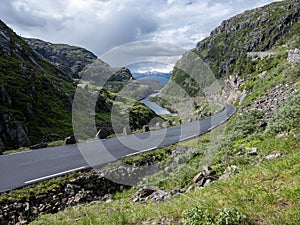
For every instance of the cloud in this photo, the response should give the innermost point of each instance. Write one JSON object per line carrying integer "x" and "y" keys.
{"x": 100, "y": 25}
{"x": 142, "y": 51}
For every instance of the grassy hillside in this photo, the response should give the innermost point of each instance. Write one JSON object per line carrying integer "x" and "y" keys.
{"x": 255, "y": 155}
{"x": 226, "y": 48}
{"x": 36, "y": 95}
{"x": 72, "y": 59}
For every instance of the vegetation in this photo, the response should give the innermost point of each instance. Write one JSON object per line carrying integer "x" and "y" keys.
{"x": 261, "y": 191}
{"x": 288, "y": 116}
{"x": 258, "y": 188}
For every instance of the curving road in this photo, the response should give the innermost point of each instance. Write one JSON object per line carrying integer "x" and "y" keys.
{"x": 24, "y": 168}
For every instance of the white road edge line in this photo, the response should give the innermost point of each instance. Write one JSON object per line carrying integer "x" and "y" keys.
{"x": 54, "y": 175}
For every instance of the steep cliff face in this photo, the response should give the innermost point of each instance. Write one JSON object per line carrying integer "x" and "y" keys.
{"x": 225, "y": 51}
{"x": 35, "y": 96}
{"x": 255, "y": 30}
{"x": 72, "y": 59}
{"x": 37, "y": 89}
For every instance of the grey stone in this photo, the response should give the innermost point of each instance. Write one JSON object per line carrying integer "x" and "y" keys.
{"x": 102, "y": 133}
{"x": 273, "y": 156}
{"x": 146, "y": 128}
{"x": 70, "y": 140}
{"x": 294, "y": 56}
{"x": 251, "y": 151}
{"x": 297, "y": 136}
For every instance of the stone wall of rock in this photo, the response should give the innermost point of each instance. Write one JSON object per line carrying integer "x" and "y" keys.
{"x": 271, "y": 101}
{"x": 83, "y": 189}
{"x": 294, "y": 56}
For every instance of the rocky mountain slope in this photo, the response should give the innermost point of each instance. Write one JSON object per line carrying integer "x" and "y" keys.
{"x": 253, "y": 172}
{"x": 35, "y": 96}
{"x": 226, "y": 49}
{"x": 37, "y": 89}
{"x": 72, "y": 59}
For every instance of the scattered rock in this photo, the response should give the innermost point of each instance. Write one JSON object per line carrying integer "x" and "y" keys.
{"x": 107, "y": 198}
{"x": 251, "y": 151}
{"x": 144, "y": 192}
{"x": 40, "y": 145}
{"x": 282, "y": 134}
{"x": 229, "y": 171}
{"x": 102, "y": 133}
{"x": 262, "y": 74}
{"x": 70, "y": 140}
{"x": 297, "y": 136}
{"x": 146, "y": 128}
{"x": 273, "y": 156}
{"x": 180, "y": 122}
{"x": 205, "y": 177}
{"x": 294, "y": 56}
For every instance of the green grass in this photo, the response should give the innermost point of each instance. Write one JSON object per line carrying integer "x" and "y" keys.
{"x": 37, "y": 189}
{"x": 268, "y": 193}
{"x": 263, "y": 192}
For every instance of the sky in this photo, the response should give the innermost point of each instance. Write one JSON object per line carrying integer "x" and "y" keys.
{"x": 103, "y": 25}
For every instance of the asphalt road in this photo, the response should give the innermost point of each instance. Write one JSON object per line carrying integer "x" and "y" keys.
{"x": 24, "y": 168}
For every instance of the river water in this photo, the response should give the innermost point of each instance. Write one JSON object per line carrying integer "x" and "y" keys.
{"x": 155, "y": 107}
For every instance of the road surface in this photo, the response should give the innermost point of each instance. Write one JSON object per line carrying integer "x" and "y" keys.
{"x": 25, "y": 168}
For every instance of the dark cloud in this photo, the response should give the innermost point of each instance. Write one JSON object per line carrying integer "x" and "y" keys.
{"x": 100, "y": 25}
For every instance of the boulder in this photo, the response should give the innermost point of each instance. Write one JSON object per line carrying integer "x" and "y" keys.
{"x": 144, "y": 192}
{"x": 39, "y": 145}
{"x": 230, "y": 171}
{"x": 146, "y": 128}
{"x": 251, "y": 151}
{"x": 205, "y": 177}
{"x": 150, "y": 193}
{"x": 297, "y": 136}
{"x": 102, "y": 133}
{"x": 70, "y": 140}
{"x": 294, "y": 56}
{"x": 273, "y": 156}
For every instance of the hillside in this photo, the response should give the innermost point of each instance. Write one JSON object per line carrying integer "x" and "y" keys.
{"x": 29, "y": 113}
{"x": 243, "y": 172}
{"x": 227, "y": 47}
{"x": 37, "y": 90}
{"x": 72, "y": 59}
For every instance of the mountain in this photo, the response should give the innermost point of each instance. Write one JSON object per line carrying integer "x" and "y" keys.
{"x": 72, "y": 59}
{"x": 250, "y": 164}
{"x": 37, "y": 88}
{"x": 35, "y": 96}
{"x": 227, "y": 46}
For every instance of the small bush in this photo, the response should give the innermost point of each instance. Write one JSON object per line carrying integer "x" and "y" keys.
{"x": 245, "y": 124}
{"x": 199, "y": 216}
{"x": 287, "y": 116}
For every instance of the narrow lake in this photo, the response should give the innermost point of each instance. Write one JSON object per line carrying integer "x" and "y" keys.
{"x": 155, "y": 107}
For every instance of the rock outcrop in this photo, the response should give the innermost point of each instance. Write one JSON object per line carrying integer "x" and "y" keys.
{"x": 83, "y": 189}
{"x": 294, "y": 56}
{"x": 72, "y": 59}
{"x": 252, "y": 31}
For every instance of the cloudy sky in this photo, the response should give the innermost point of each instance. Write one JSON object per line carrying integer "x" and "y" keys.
{"x": 100, "y": 25}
